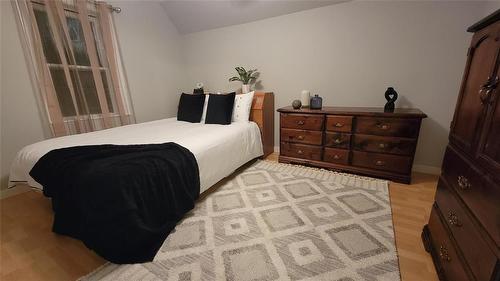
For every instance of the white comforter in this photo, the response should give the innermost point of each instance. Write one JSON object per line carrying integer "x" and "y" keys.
{"x": 219, "y": 149}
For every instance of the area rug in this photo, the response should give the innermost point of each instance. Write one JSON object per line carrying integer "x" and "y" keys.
{"x": 274, "y": 221}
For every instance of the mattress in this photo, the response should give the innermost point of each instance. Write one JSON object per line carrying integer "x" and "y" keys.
{"x": 219, "y": 149}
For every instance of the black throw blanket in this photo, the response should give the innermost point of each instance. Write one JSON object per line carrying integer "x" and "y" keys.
{"x": 122, "y": 201}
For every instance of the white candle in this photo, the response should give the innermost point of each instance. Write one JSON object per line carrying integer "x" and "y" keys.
{"x": 305, "y": 98}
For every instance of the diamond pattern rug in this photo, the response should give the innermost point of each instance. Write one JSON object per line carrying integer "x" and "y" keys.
{"x": 274, "y": 221}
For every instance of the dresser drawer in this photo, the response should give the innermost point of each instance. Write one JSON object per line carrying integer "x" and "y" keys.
{"x": 388, "y": 126}
{"x": 445, "y": 251}
{"x": 302, "y": 121}
{"x": 386, "y": 162}
{"x": 302, "y": 136}
{"x": 479, "y": 257}
{"x": 339, "y": 123}
{"x": 482, "y": 196}
{"x": 393, "y": 145}
{"x": 337, "y": 140}
{"x": 337, "y": 156}
{"x": 301, "y": 151}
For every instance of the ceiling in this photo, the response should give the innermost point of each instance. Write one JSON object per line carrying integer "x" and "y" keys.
{"x": 193, "y": 16}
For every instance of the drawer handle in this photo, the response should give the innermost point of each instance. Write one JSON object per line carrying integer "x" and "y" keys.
{"x": 380, "y": 163}
{"x": 463, "y": 183}
{"x": 443, "y": 253}
{"x": 453, "y": 219}
{"x": 336, "y": 157}
{"x": 337, "y": 141}
{"x": 382, "y": 145}
{"x": 300, "y": 151}
{"x": 383, "y": 126}
{"x": 300, "y": 137}
{"x": 301, "y": 122}
{"x": 338, "y": 125}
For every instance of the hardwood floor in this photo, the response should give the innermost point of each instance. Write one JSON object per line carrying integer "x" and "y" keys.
{"x": 31, "y": 251}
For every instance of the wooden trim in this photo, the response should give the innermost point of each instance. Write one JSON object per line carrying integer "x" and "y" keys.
{"x": 262, "y": 113}
{"x": 492, "y": 18}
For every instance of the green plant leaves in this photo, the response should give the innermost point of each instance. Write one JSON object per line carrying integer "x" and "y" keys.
{"x": 245, "y": 76}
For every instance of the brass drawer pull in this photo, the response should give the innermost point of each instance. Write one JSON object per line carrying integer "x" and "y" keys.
{"x": 300, "y": 137}
{"x": 300, "y": 151}
{"x": 337, "y": 141}
{"x": 301, "y": 122}
{"x": 383, "y": 126}
{"x": 336, "y": 157}
{"x": 443, "y": 253}
{"x": 380, "y": 163}
{"x": 453, "y": 219}
{"x": 338, "y": 125}
{"x": 382, "y": 145}
{"x": 463, "y": 183}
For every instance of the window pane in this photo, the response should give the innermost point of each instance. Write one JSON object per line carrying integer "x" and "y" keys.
{"x": 62, "y": 92}
{"x": 89, "y": 91}
{"x": 49, "y": 47}
{"x": 109, "y": 97}
{"x": 77, "y": 41}
{"x": 96, "y": 40}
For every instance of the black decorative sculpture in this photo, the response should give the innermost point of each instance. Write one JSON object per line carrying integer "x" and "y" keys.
{"x": 391, "y": 96}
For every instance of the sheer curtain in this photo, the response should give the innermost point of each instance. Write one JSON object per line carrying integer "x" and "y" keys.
{"x": 72, "y": 47}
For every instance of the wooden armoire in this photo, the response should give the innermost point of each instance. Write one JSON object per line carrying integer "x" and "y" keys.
{"x": 463, "y": 233}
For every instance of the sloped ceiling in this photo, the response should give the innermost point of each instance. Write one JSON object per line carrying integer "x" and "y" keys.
{"x": 193, "y": 16}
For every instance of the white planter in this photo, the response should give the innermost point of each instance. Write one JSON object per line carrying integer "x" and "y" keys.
{"x": 245, "y": 89}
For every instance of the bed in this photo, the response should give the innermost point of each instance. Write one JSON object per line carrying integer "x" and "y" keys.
{"x": 226, "y": 147}
{"x": 138, "y": 179}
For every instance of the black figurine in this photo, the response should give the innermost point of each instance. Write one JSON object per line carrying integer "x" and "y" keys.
{"x": 391, "y": 96}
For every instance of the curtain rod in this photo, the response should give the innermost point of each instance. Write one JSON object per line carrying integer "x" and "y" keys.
{"x": 116, "y": 9}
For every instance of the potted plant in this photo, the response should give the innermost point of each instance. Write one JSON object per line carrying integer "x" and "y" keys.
{"x": 245, "y": 77}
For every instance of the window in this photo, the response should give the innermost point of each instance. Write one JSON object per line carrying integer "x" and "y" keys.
{"x": 77, "y": 64}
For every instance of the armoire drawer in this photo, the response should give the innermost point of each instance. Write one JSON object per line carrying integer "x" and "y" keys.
{"x": 339, "y": 123}
{"x": 393, "y": 145}
{"x": 303, "y": 151}
{"x": 476, "y": 252}
{"x": 482, "y": 196}
{"x": 397, "y": 127}
{"x": 445, "y": 251}
{"x": 302, "y": 121}
{"x": 386, "y": 162}
{"x": 337, "y": 140}
{"x": 337, "y": 156}
{"x": 302, "y": 136}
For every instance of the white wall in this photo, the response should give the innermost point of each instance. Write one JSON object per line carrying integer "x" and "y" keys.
{"x": 20, "y": 119}
{"x": 350, "y": 53}
{"x": 151, "y": 53}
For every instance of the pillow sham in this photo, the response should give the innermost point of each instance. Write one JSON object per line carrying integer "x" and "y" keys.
{"x": 242, "y": 106}
{"x": 190, "y": 108}
{"x": 220, "y": 109}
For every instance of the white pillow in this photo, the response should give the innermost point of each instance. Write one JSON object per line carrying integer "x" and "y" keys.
{"x": 204, "y": 114}
{"x": 242, "y": 106}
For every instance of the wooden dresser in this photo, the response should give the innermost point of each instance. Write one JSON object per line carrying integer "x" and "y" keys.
{"x": 360, "y": 140}
{"x": 463, "y": 233}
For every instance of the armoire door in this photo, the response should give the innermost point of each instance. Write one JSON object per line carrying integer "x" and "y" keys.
{"x": 489, "y": 147}
{"x": 471, "y": 109}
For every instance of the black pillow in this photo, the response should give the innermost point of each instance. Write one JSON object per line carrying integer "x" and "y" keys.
{"x": 190, "y": 108}
{"x": 220, "y": 109}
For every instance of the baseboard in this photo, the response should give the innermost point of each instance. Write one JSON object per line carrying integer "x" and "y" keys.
{"x": 427, "y": 169}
